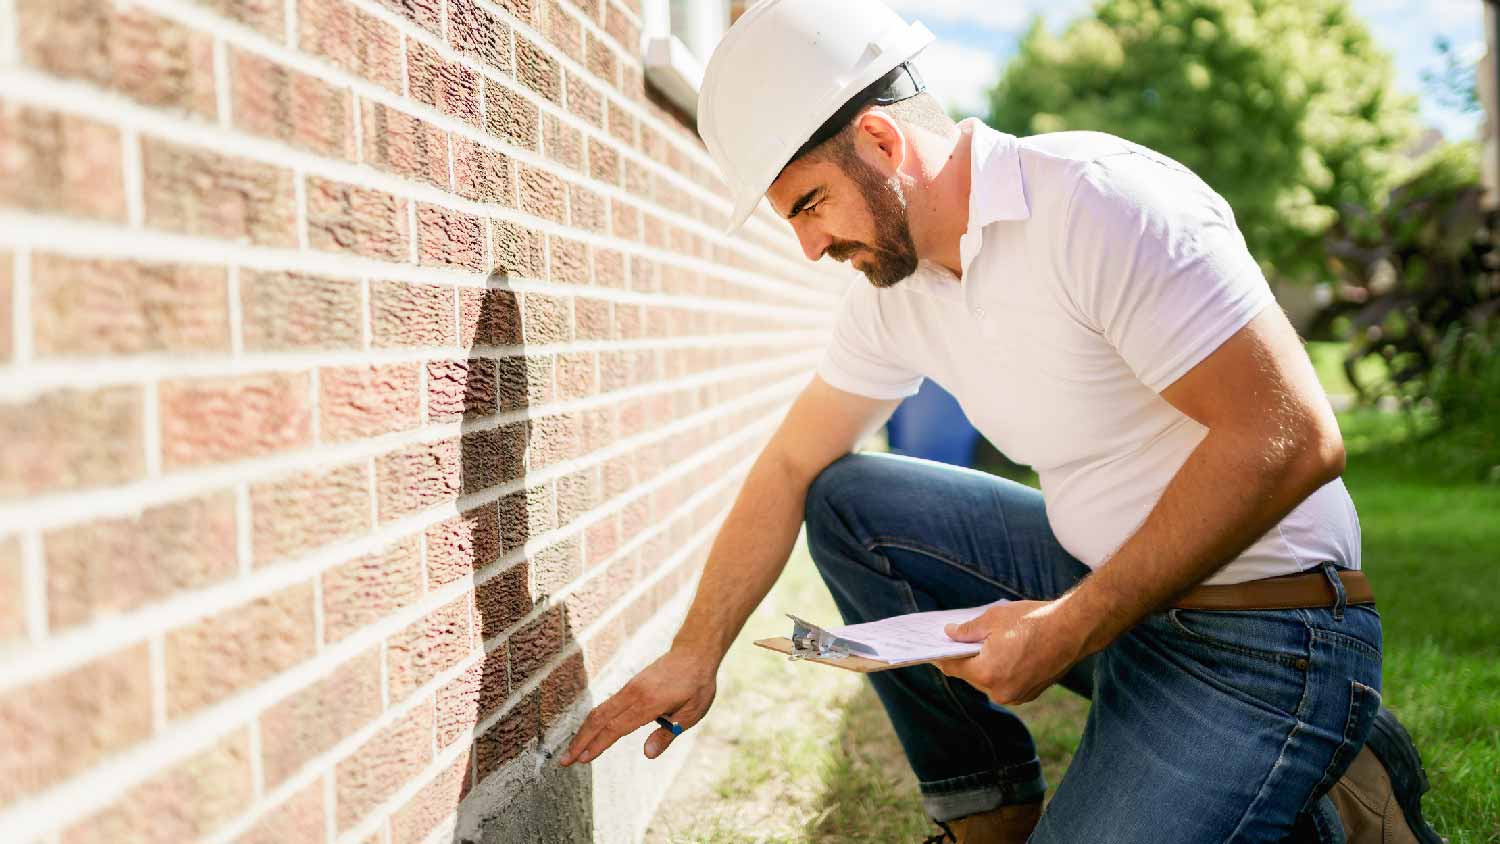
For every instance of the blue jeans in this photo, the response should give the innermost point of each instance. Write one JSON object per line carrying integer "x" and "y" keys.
{"x": 1204, "y": 726}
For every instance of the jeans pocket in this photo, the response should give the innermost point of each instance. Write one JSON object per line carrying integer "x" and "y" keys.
{"x": 1253, "y": 656}
{"x": 1364, "y": 704}
{"x": 1268, "y": 635}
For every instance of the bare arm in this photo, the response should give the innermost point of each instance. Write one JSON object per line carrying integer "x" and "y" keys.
{"x": 1272, "y": 440}
{"x": 747, "y": 556}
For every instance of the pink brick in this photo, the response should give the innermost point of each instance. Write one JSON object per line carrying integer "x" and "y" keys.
{"x": 462, "y": 545}
{"x": 275, "y": 101}
{"x": 201, "y": 192}
{"x": 404, "y": 144}
{"x": 312, "y": 720}
{"x": 493, "y": 456}
{"x": 510, "y": 116}
{"x": 127, "y": 49}
{"x": 424, "y": 13}
{"x": 518, "y": 251}
{"x": 209, "y": 420}
{"x": 584, "y": 100}
{"x": 416, "y": 477}
{"x": 563, "y": 143}
{"x": 570, "y": 260}
{"x": 351, "y": 39}
{"x": 535, "y": 644}
{"x": 524, "y": 515}
{"x": 72, "y": 439}
{"x": 538, "y": 69}
{"x": 366, "y": 590}
{"x": 556, "y": 566}
{"x": 472, "y": 697}
{"x": 473, "y": 30}
{"x": 543, "y": 194}
{"x": 85, "y": 307}
{"x": 284, "y": 311}
{"x": 56, "y": 163}
{"x": 482, "y": 174}
{"x": 236, "y": 649}
{"x": 382, "y": 765}
{"x": 433, "y": 804}
{"x": 267, "y": 16}
{"x": 508, "y": 738}
{"x": 356, "y": 402}
{"x": 546, "y": 319}
{"x": 191, "y": 799}
{"x": 366, "y": 222}
{"x": 460, "y": 389}
{"x": 576, "y": 375}
{"x": 428, "y": 647}
{"x": 563, "y": 686}
{"x": 588, "y": 210}
{"x": 55, "y": 728}
{"x": 308, "y": 510}
{"x": 489, "y": 317}
{"x": 604, "y": 162}
{"x": 502, "y": 600}
{"x": 13, "y": 591}
{"x": 106, "y": 567}
{"x": 448, "y": 238}
{"x": 298, "y": 820}
{"x": 447, "y": 86}
{"x": 404, "y": 314}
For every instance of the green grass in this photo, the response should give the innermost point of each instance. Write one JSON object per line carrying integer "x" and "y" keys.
{"x": 803, "y": 753}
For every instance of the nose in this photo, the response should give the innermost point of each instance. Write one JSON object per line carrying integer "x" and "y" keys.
{"x": 814, "y": 241}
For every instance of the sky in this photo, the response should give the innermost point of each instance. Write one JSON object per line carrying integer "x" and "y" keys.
{"x": 975, "y": 37}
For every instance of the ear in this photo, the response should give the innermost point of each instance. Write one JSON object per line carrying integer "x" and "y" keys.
{"x": 879, "y": 141}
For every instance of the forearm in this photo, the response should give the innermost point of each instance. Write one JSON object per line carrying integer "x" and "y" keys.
{"x": 1233, "y": 488}
{"x": 747, "y": 556}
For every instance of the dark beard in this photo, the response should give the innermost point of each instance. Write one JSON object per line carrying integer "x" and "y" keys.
{"x": 893, "y": 255}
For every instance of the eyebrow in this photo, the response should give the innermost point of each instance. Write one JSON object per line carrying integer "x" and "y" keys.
{"x": 801, "y": 203}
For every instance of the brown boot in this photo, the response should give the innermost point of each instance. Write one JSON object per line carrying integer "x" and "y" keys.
{"x": 1005, "y": 825}
{"x": 1379, "y": 797}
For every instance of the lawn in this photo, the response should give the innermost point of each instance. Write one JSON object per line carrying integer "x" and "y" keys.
{"x": 803, "y": 753}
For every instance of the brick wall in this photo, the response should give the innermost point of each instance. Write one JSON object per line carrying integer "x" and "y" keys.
{"x": 373, "y": 376}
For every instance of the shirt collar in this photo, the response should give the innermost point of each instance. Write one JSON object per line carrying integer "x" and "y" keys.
{"x": 997, "y": 192}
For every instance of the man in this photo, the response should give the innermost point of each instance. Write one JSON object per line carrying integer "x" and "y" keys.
{"x": 1191, "y": 563}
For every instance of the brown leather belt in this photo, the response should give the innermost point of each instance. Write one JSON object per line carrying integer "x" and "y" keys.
{"x": 1292, "y": 591}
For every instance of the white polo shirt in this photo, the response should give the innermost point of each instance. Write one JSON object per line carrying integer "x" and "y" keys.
{"x": 1096, "y": 273}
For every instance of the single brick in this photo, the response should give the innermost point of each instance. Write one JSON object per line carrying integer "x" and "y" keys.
{"x": 588, "y": 210}
{"x": 351, "y": 39}
{"x": 447, "y": 86}
{"x": 127, "y": 49}
{"x": 355, "y": 402}
{"x": 609, "y": 268}
{"x": 510, "y": 116}
{"x": 556, "y": 566}
{"x": 460, "y": 389}
{"x": 303, "y": 512}
{"x": 83, "y": 307}
{"x": 591, "y": 319}
{"x": 208, "y": 420}
{"x": 481, "y": 174}
{"x": 548, "y": 319}
{"x": 404, "y": 314}
{"x": 428, "y": 647}
{"x": 525, "y": 10}
{"x": 191, "y": 799}
{"x": 554, "y": 438}
{"x": 416, "y": 477}
{"x": 489, "y": 317}
{"x": 620, "y": 25}
{"x": 601, "y": 60}
{"x": 473, "y": 30}
{"x": 283, "y": 311}
{"x": 584, "y": 100}
{"x": 563, "y": 686}
{"x": 364, "y": 221}
{"x": 601, "y": 541}
{"x": 448, "y": 238}
{"x": 462, "y": 545}
{"x": 493, "y": 456}
{"x": 508, "y": 738}
{"x": 577, "y": 375}
{"x": 298, "y": 820}
{"x": 563, "y": 143}
{"x": 433, "y": 804}
{"x": 238, "y": 648}
{"x": 524, "y": 381}
{"x": 404, "y": 144}
{"x": 561, "y": 29}
{"x": 72, "y": 439}
{"x": 375, "y": 771}
{"x": 543, "y": 194}
{"x": 13, "y": 590}
{"x": 424, "y": 13}
{"x": 117, "y": 565}
{"x": 311, "y": 720}
{"x": 365, "y": 590}
{"x": 535, "y": 644}
{"x": 604, "y": 162}
{"x": 621, "y": 122}
{"x": 503, "y": 600}
{"x": 275, "y": 101}
{"x": 538, "y": 69}
{"x": 267, "y": 16}
{"x": 570, "y": 260}
{"x": 58, "y": 163}
{"x": 55, "y": 728}
{"x": 526, "y": 514}
{"x": 518, "y": 250}
{"x": 624, "y": 220}
{"x": 577, "y": 493}
{"x": 201, "y": 192}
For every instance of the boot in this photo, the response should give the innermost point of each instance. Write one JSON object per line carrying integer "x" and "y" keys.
{"x": 1003, "y": 825}
{"x": 1379, "y": 798}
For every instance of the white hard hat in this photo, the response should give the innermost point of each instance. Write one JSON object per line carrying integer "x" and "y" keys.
{"x": 783, "y": 70}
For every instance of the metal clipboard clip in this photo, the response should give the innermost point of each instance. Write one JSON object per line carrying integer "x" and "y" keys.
{"x": 810, "y": 640}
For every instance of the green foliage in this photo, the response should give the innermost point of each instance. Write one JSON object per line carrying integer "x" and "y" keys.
{"x": 1287, "y": 109}
{"x": 1454, "y": 86}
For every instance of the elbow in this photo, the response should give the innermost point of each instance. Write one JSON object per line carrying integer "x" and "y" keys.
{"x": 1321, "y": 459}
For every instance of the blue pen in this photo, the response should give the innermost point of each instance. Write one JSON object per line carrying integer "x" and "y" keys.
{"x": 675, "y": 727}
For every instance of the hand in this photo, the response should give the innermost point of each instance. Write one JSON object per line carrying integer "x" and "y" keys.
{"x": 677, "y": 685}
{"x": 1027, "y": 646}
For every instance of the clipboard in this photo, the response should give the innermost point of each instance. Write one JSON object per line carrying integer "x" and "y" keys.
{"x": 860, "y": 664}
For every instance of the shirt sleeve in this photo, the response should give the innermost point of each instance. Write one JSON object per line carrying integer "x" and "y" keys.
{"x": 857, "y": 358}
{"x": 1152, "y": 259}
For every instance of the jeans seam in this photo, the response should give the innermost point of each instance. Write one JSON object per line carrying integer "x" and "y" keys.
{"x": 1286, "y": 744}
{"x": 1269, "y": 656}
{"x": 903, "y": 544}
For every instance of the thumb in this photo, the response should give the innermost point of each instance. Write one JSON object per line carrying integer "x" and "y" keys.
{"x": 973, "y": 630}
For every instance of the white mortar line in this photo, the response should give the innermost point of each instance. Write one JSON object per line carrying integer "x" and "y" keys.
{"x": 330, "y": 802}
{"x": 223, "y": 91}
{"x": 34, "y": 585}
{"x": 20, "y": 326}
{"x": 78, "y": 645}
{"x": 131, "y": 172}
{"x": 151, "y": 424}
{"x": 10, "y": 49}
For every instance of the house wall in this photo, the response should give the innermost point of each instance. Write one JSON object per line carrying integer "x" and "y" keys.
{"x": 373, "y": 377}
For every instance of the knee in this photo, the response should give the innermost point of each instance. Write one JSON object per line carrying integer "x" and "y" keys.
{"x": 831, "y": 497}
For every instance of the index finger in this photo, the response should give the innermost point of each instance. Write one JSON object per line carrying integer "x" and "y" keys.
{"x": 606, "y": 725}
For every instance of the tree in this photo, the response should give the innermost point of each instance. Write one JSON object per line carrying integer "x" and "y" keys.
{"x": 1287, "y": 109}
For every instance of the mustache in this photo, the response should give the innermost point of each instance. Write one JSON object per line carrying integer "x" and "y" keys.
{"x": 843, "y": 249}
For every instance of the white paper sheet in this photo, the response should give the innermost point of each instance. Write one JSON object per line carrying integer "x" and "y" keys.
{"x": 915, "y": 636}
